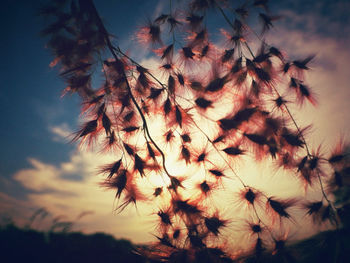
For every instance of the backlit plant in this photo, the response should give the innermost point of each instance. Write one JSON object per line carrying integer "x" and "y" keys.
{"x": 181, "y": 128}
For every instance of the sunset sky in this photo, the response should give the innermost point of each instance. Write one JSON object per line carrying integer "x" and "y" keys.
{"x": 39, "y": 168}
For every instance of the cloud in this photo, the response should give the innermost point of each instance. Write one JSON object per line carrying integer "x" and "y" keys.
{"x": 328, "y": 77}
{"x": 325, "y": 18}
{"x": 53, "y": 189}
{"x": 61, "y": 132}
{"x": 70, "y": 189}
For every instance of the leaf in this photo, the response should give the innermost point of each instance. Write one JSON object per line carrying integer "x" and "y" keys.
{"x": 167, "y": 51}
{"x": 302, "y": 64}
{"x": 165, "y": 218}
{"x": 213, "y": 224}
{"x": 167, "y": 107}
{"x": 313, "y": 207}
{"x": 158, "y": 191}
{"x": 129, "y": 116}
{"x": 203, "y": 103}
{"x": 130, "y": 129}
{"x": 220, "y": 138}
{"x": 155, "y": 93}
{"x": 171, "y": 84}
{"x": 256, "y": 138}
{"x": 216, "y": 85}
{"x": 89, "y": 127}
{"x": 195, "y": 85}
{"x": 237, "y": 119}
{"x": 250, "y": 196}
{"x": 139, "y": 165}
{"x": 119, "y": 182}
{"x": 106, "y": 123}
{"x": 186, "y": 137}
{"x": 302, "y": 163}
{"x": 216, "y": 172}
{"x": 128, "y": 149}
{"x": 227, "y": 55}
{"x": 233, "y": 151}
{"x": 161, "y": 19}
{"x": 185, "y": 154}
{"x": 151, "y": 151}
{"x": 180, "y": 79}
{"x": 336, "y": 158}
{"x": 280, "y": 206}
{"x": 114, "y": 169}
{"x": 178, "y": 116}
{"x": 293, "y": 139}
{"x": 169, "y": 136}
{"x": 262, "y": 74}
{"x": 187, "y": 51}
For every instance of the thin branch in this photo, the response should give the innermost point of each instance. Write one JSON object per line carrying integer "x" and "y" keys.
{"x": 111, "y": 49}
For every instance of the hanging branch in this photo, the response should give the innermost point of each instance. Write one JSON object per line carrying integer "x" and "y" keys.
{"x": 199, "y": 77}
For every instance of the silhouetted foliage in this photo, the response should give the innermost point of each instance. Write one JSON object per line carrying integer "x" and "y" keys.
{"x": 212, "y": 104}
{"x": 28, "y": 245}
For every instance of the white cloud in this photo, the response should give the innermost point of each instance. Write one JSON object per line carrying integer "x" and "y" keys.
{"x": 52, "y": 188}
{"x": 61, "y": 132}
{"x": 328, "y": 77}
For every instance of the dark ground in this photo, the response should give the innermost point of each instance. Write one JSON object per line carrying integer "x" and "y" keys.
{"x": 28, "y": 245}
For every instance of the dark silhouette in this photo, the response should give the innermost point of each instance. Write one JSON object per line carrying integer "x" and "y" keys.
{"x": 28, "y": 245}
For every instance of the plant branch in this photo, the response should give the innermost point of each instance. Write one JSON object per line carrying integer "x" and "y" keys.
{"x": 111, "y": 49}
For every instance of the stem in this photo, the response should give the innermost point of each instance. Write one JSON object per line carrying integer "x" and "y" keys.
{"x": 294, "y": 121}
{"x": 146, "y": 128}
{"x": 217, "y": 150}
{"x": 112, "y": 50}
{"x": 289, "y": 114}
{"x": 229, "y": 22}
{"x": 137, "y": 64}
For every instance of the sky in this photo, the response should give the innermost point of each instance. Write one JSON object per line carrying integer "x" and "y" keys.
{"x": 39, "y": 168}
